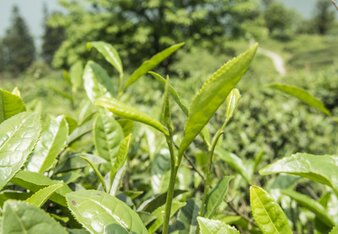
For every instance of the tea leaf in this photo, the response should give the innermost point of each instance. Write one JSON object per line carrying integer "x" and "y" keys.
{"x": 319, "y": 168}
{"x": 95, "y": 210}
{"x": 212, "y": 94}
{"x": 302, "y": 95}
{"x": 96, "y": 81}
{"x": 10, "y": 105}
{"x": 21, "y": 217}
{"x": 125, "y": 111}
{"x": 210, "y": 226}
{"x": 188, "y": 217}
{"x": 231, "y": 104}
{"x": 41, "y": 196}
{"x": 268, "y": 215}
{"x": 151, "y": 63}
{"x": 311, "y": 205}
{"x": 19, "y": 136}
{"x": 109, "y": 53}
{"x": 216, "y": 196}
{"x": 53, "y": 139}
{"x": 334, "y": 230}
{"x": 107, "y": 135}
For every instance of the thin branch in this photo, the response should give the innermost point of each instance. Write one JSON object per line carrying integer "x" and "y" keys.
{"x": 240, "y": 214}
{"x": 193, "y": 166}
{"x": 335, "y": 4}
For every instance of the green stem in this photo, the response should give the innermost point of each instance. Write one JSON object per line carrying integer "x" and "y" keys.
{"x": 171, "y": 188}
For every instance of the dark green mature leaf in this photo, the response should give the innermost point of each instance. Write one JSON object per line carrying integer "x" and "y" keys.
{"x": 268, "y": 215}
{"x": 216, "y": 196}
{"x": 107, "y": 135}
{"x": 41, "y": 196}
{"x": 319, "y": 168}
{"x": 311, "y": 205}
{"x": 19, "y": 135}
{"x": 210, "y": 226}
{"x": 125, "y": 111}
{"x": 172, "y": 91}
{"x": 52, "y": 140}
{"x": 159, "y": 214}
{"x": 302, "y": 95}
{"x": 10, "y": 105}
{"x": 151, "y": 63}
{"x": 187, "y": 217}
{"x": 96, "y": 81}
{"x": 21, "y": 217}
{"x": 213, "y": 93}
{"x": 109, "y": 53}
{"x": 95, "y": 210}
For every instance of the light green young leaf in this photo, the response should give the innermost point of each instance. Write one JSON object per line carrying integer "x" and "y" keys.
{"x": 52, "y": 140}
{"x": 21, "y": 217}
{"x": 75, "y": 73}
{"x": 19, "y": 135}
{"x": 319, "y": 168}
{"x": 109, "y": 53}
{"x": 311, "y": 205}
{"x": 216, "y": 196}
{"x": 212, "y": 94}
{"x": 302, "y": 95}
{"x": 268, "y": 215}
{"x": 107, "y": 135}
{"x": 10, "y": 105}
{"x": 41, "y": 196}
{"x": 121, "y": 156}
{"x": 334, "y": 230}
{"x": 97, "y": 172}
{"x": 96, "y": 81}
{"x": 210, "y": 226}
{"x": 231, "y": 104}
{"x": 95, "y": 210}
{"x": 165, "y": 112}
{"x": 172, "y": 91}
{"x": 151, "y": 63}
{"x": 159, "y": 214}
{"x": 125, "y": 111}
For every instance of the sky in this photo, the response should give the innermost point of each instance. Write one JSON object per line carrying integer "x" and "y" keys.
{"x": 32, "y": 12}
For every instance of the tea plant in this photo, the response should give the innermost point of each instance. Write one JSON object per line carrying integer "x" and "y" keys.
{"x": 73, "y": 175}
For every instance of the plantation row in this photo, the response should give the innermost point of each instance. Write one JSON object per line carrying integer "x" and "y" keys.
{"x": 116, "y": 168}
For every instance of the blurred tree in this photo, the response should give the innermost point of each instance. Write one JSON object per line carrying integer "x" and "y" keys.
{"x": 139, "y": 28}
{"x": 52, "y": 37}
{"x": 18, "y": 45}
{"x": 280, "y": 21}
{"x": 2, "y": 60}
{"x": 324, "y": 16}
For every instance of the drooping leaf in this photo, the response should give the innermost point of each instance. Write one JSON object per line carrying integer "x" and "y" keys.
{"x": 319, "y": 168}
{"x": 231, "y": 104}
{"x": 109, "y": 53}
{"x": 302, "y": 95}
{"x": 187, "y": 217}
{"x": 172, "y": 91}
{"x": 95, "y": 210}
{"x": 216, "y": 196}
{"x": 10, "y": 105}
{"x": 52, "y": 140}
{"x": 268, "y": 215}
{"x": 22, "y": 217}
{"x": 107, "y": 135}
{"x": 97, "y": 172}
{"x": 210, "y": 226}
{"x": 19, "y": 135}
{"x": 311, "y": 205}
{"x": 125, "y": 111}
{"x": 235, "y": 162}
{"x": 212, "y": 94}
{"x": 41, "y": 196}
{"x": 96, "y": 81}
{"x": 159, "y": 214}
{"x": 151, "y": 63}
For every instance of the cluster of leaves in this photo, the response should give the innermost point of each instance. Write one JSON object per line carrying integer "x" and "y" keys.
{"x": 66, "y": 175}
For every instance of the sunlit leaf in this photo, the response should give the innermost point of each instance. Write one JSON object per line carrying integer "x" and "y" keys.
{"x": 10, "y": 105}
{"x": 41, "y": 196}
{"x": 210, "y": 226}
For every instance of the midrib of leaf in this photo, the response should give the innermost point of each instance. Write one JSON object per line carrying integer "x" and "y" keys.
{"x": 266, "y": 211}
